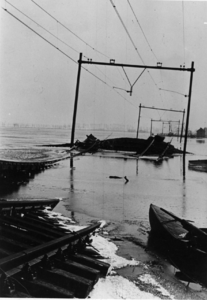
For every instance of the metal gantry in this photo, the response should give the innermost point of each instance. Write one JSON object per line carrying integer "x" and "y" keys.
{"x": 113, "y": 64}
{"x": 164, "y": 122}
{"x": 171, "y": 110}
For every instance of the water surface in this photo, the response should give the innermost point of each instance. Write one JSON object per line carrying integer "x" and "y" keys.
{"x": 87, "y": 188}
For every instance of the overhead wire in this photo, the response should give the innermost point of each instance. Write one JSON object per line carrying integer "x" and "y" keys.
{"x": 127, "y": 32}
{"x": 93, "y": 48}
{"x": 146, "y": 41}
{"x": 41, "y": 26}
{"x": 69, "y": 29}
{"x": 150, "y": 45}
{"x": 50, "y": 43}
{"x": 141, "y": 29}
{"x": 39, "y": 35}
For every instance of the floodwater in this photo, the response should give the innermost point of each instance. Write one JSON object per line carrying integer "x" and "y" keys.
{"x": 87, "y": 188}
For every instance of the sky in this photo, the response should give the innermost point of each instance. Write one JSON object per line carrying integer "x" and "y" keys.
{"x": 41, "y": 41}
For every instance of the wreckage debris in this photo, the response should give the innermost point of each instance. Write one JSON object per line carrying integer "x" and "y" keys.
{"x": 155, "y": 145}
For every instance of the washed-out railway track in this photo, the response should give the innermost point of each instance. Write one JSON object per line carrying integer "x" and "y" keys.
{"x": 40, "y": 259}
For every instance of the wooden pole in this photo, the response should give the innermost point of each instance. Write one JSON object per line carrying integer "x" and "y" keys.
{"x": 76, "y": 100}
{"x": 140, "y": 106}
{"x": 188, "y": 108}
{"x": 151, "y": 128}
{"x": 181, "y": 134}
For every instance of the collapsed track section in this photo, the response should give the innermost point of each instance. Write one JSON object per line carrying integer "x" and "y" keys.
{"x": 38, "y": 258}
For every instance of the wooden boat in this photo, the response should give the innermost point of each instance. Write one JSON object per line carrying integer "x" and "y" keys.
{"x": 185, "y": 245}
{"x": 198, "y": 165}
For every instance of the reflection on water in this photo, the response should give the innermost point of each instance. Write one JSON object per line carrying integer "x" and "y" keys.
{"x": 85, "y": 186}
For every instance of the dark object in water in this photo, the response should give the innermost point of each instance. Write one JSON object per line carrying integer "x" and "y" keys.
{"x": 117, "y": 177}
{"x": 184, "y": 244}
{"x": 200, "y": 141}
{"x": 198, "y": 165}
{"x": 129, "y": 145}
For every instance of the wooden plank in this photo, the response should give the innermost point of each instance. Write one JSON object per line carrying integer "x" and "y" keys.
{"x": 45, "y": 221}
{"x": 29, "y": 224}
{"x": 4, "y": 253}
{"x": 19, "y": 235}
{"x": 44, "y": 289}
{"x": 81, "y": 286}
{"x": 78, "y": 269}
{"x": 91, "y": 262}
{"x": 30, "y": 229}
{"x": 27, "y": 255}
{"x": 16, "y": 294}
{"x": 11, "y": 243}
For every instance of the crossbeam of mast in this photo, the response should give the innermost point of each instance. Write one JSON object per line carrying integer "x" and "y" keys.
{"x": 113, "y": 64}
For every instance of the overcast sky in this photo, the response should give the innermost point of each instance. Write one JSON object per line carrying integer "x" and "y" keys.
{"x": 38, "y": 81}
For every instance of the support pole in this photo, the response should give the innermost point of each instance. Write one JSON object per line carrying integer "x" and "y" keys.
{"x": 140, "y": 106}
{"x": 76, "y": 100}
{"x": 178, "y": 130}
{"x": 188, "y": 109}
{"x": 181, "y": 134}
{"x": 151, "y": 128}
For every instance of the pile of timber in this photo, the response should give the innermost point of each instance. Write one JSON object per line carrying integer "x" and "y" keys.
{"x": 38, "y": 258}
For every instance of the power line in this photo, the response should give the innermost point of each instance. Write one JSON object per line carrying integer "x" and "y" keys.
{"x": 62, "y": 52}
{"x": 49, "y": 32}
{"x": 42, "y": 27}
{"x": 39, "y": 35}
{"x": 69, "y": 30}
{"x": 126, "y": 30}
{"x": 131, "y": 40}
{"x": 142, "y": 30}
{"x": 173, "y": 92}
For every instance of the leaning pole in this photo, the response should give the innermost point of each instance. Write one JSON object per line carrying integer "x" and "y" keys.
{"x": 76, "y": 100}
{"x": 188, "y": 108}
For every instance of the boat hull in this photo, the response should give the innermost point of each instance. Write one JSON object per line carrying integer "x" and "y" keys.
{"x": 180, "y": 250}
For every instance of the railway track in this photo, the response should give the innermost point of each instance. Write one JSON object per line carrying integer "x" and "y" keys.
{"x": 38, "y": 258}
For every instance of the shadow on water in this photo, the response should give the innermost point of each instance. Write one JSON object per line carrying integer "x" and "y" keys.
{"x": 188, "y": 269}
